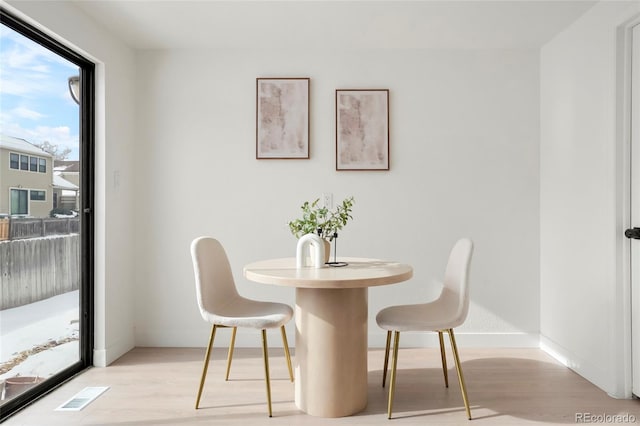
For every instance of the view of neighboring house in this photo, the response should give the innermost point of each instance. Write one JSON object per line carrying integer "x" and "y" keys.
{"x": 66, "y": 184}
{"x": 28, "y": 185}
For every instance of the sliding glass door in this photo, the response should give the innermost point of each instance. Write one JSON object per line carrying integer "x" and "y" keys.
{"x": 46, "y": 213}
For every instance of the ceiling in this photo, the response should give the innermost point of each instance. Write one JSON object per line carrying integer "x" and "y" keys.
{"x": 333, "y": 24}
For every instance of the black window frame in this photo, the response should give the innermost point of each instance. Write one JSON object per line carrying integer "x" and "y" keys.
{"x": 87, "y": 162}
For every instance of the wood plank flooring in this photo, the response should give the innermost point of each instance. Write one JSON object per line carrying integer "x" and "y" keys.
{"x": 157, "y": 386}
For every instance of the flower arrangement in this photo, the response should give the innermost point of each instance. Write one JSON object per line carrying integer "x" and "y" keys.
{"x": 326, "y": 223}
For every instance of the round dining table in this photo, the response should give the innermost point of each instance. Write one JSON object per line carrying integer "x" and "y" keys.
{"x": 331, "y": 317}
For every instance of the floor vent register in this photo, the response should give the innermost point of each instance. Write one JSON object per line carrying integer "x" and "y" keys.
{"x": 82, "y": 398}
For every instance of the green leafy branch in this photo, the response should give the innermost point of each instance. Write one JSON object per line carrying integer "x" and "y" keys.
{"x": 321, "y": 220}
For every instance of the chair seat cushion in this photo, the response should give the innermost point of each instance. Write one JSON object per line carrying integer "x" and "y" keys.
{"x": 419, "y": 317}
{"x": 249, "y": 313}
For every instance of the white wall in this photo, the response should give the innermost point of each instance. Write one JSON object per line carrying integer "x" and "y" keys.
{"x": 582, "y": 305}
{"x": 464, "y": 162}
{"x": 177, "y": 130}
{"x": 115, "y": 121}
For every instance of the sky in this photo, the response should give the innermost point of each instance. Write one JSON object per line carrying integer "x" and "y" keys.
{"x": 35, "y": 103}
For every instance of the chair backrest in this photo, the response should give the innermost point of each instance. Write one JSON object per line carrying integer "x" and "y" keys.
{"x": 455, "y": 294}
{"x": 215, "y": 287}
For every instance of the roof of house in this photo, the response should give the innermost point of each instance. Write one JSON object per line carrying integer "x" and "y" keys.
{"x": 61, "y": 183}
{"x": 21, "y": 145}
{"x": 66, "y": 165}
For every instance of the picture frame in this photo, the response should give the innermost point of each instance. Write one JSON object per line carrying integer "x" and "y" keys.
{"x": 362, "y": 129}
{"x": 282, "y": 118}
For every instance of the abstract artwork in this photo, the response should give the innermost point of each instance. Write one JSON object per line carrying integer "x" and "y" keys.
{"x": 362, "y": 129}
{"x": 282, "y": 118}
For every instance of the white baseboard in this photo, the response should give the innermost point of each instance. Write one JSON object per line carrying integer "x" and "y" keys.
{"x": 251, "y": 339}
{"x": 469, "y": 340}
{"x": 593, "y": 373}
{"x": 104, "y": 357}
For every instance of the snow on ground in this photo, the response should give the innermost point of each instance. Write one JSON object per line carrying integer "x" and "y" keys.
{"x": 26, "y": 327}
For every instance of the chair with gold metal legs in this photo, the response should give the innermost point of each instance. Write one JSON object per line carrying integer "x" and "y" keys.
{"x": 222, "y": 306}
{"x": 445, "y": 313}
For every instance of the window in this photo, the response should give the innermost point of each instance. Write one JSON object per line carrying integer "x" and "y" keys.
{"x": 14, "y": 161}
{"x": 19, "y": 202}
{"x": 38, "y": 195}
{"x": 26, "y": 162}
{"x": 54, "y": 64}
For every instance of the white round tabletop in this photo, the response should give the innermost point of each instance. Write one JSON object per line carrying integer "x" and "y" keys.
{"x": 358, "y": 273}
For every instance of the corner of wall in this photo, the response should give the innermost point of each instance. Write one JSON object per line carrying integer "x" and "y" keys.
{"x": 104, "y": 357}
{"x": 596, "y": 374}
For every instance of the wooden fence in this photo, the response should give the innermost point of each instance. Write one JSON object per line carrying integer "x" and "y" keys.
{"x": 4, "y": 229}
{"x": 38, "y": 268}
{"x": 21, "y": 228}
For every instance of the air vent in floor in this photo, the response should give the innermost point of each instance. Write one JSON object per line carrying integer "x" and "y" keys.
{"x": 82, "y": 398}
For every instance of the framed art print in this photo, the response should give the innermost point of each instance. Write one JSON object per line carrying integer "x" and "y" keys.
{"x": 282, "y": 118}
{"x": 362, "y": 129}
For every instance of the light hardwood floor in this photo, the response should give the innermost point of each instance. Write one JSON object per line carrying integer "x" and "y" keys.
{"x": 157, "y": 386}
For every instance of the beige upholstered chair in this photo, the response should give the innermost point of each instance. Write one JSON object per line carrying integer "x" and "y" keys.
{"x": 222, "y": 306}
{"x": 445, "y": 313}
